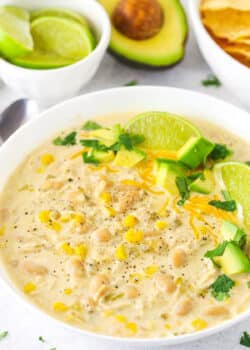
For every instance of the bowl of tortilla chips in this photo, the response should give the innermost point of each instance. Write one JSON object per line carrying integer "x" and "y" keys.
{"x": 222, "y": 29}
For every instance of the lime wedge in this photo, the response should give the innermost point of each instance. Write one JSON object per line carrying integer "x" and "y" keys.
{"x": 15, "y": 37}
{"x": 41, "y": 60}
{"x": 58, "y": 12}
{"x": 61, "y": 36}
{"x": 162, "y": 130}
{"x": 235, "y": 178}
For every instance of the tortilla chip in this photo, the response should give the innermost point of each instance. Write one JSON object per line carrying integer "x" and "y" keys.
{"x": 243, "y": 40}
{"x": 242, "y": 50}
{"x": 215, "y": 5}
{"x": 228, "y": 24}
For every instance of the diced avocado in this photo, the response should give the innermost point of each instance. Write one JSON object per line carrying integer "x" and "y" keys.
{"x": 203, "y": 185}
{"x": 154, "y": 39}
{"x": 195, "y": 151}
{"x": 233, "y": 260}
{"x": 108, "y": 136}
{"x": 166, "y": 172}
{"x": 128, "y": 158}
{"x": 231, "y": 232}
{"x": 103, "y": 156}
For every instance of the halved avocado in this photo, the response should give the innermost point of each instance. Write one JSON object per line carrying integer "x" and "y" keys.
{"x": 154, "y": 44}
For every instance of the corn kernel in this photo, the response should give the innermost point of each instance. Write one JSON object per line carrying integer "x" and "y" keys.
{"x": 47, "y": 159}
{"x": 130, "y": 221}
{"x": 29, "y": 287}
{"x": 199, "y": 324}
{"x": 105, "y": 197}
{"x": 81, "y": 251}
{"x": 2, "y": 230}
{"x": 120, "y": 253}
{"x": 39, "y": 170}
{"x": 67, "y": 248}
{"x": 167, "y": 326}
{"x": 78, "y": 218}
{"x": 60, "y": 307}
{"x": 133, "y": 236}
{"x": 107, "y": 313}
{"x": 120, "y": 318}
{"x": 110, "y": 211}
{"x": 44, "y": 216}
{"x": 160, "y": 225}
{"x": 65, "y": 218}
{"x": 55, "y": 226}
{"x": 67, "y": 291}
{"x": 132, "y": 327}
{"x": 150, "y": 270}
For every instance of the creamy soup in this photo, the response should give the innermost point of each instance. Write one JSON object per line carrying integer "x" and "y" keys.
{"x": 106, "y": 249}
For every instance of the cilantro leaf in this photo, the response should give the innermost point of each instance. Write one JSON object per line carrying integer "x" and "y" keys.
{"x": 90, "y": 125}
{"x": 89, "y": 158}
{"x": 218, "y": 251}
{"x": 131, "y": 83}
{"x": 195, "y": 176}
{"x": 3, "y": 335}
{"x": 182, "y": 185}
{"x": 224, "y": 205}
{"x": 41, "y": 339}
{"x": 220, "y": 152}
{"x": 247, "y": 163}
{"x": 96, "y": 144}
{"x": 211, "y": 80}
{"x": 245, "y": 339}
{"x": 129, "y": 140}
{"x": 68, "y": 140}
{"x": 221, "y": 287}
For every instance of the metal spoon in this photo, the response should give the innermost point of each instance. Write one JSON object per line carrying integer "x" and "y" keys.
{"x": 15, "y": 115}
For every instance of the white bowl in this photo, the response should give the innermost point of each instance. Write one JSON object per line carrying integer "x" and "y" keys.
{"x": 234, "y": 75}
{"x": 114, "y": 102}
{"x": 53, "y": 85}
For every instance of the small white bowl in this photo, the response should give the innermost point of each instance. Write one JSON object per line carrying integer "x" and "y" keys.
{"x": 48, "y": 86}
{"x": 234, "y": 75}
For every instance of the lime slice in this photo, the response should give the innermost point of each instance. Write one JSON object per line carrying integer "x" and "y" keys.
{"x": 41, "y": 60}
{"x": 58, "y": 12}
{"x": 15, "y": 37}
{"x": 235, "y": 178}
{"x": 61, "y": 36}
{"x": 162, "y": 130}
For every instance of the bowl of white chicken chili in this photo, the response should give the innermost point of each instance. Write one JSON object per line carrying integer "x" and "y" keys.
{"x": 125, "y": 215}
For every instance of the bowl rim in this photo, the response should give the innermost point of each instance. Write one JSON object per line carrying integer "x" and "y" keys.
{"x": 157, "y": 341}
{"x": 194, "y": 12}
{"x": 102, "y": 44}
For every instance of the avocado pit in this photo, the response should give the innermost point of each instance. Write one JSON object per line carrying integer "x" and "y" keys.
{"x": 138, "y": 19}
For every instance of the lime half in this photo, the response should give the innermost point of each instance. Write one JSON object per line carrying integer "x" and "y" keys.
{"x": 15, "y": 37}
{"x": 162, "y": 130}
{"x": 235, "y": 178}
{"x": 61, "y": 36}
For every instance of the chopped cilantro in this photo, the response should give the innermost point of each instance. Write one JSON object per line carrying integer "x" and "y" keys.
{"x": 89, "y": 158}
{"x": 3, "y": 335}
{"x": 96, "y": 144}
{"x": 68, "y": 140}
{"x": 89, "y": 125}
{"x": 248, "y": 284}
{"x": 130, "y": 140}
{"x": 211, "y": 80}
{"x": 195, "y": 176}
{"x": 131, "y": 83}
{"x": 221, "y": 287}
{"x": 218, "y": 251}
{"x": 220, "y": 152}
{"x": 248, "y": 163}
{"x": 224, "y": 205}
{"x": 41, "y": 339}
{"x": 182, "y": 185}
{"x": 245, "y": 339}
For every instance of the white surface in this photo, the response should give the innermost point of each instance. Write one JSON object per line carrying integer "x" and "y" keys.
{"x": 51, "y": 86}
{"x": 232, "y": 73}
{"x": 24, "y": 325}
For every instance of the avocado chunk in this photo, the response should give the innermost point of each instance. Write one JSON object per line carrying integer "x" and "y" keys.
{"x": 103, "y": 156}
{"x": 231, "y": 232}
{"x": 151, "y": 34}
{"x": 129, "y": 158}
{"x": 166, "y": 172}
{"x": 195, "y": 151}
{"x": 107, "y": 136}
{"x": 233, "y": 260}
{"x": 204, "y": 184}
